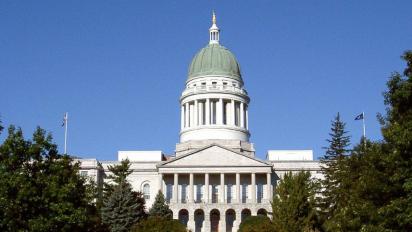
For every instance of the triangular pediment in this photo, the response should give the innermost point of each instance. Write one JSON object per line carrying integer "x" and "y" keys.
{"x": 215, "y": 155}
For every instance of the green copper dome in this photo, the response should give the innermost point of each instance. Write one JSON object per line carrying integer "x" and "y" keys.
{"x": 214, "y": 59}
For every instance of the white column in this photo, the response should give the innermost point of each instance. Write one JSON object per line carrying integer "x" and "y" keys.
{"x": 191, "y": 198}
{"x": 222, "y": 187}
{"x": 207, "y": 111}
{"x": 238, "y": 189}
{"x": 219, "y": 113}
{"x": 182, "y": 118}
{"x": 247, "y": 119}
{"x": 195, "y": 114}
{"x": 187, "y": 114}
{"x": 175, "y": 188}
{"x": 233, "y": 112}
{"x": 253, "y": 192}
{"x": 160, "y": 182}
{"x": 206, "y": 189}
{"x": 269, "y": 186}
{"x": 242, "y": 115}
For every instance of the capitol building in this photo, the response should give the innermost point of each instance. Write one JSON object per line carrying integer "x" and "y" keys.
{"x": 214, "y": 179}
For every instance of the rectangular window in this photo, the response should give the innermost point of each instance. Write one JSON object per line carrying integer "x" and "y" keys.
{"x": 259, "y": 193}
{"x": 202, "y": 112}
{"x": 184, "y": 193}
{"x": 230, "y": 193}
{"x": 237, "y": 113}
{"x": 213, "y": 111}
{"x": 245, "y": 193}
{"x": 215, "y": 193}
{"x": 199, "y": 193}
{"x": 225, "y": 105}
{"x": 83, "y": 173}
{"x": 169, "y": 192}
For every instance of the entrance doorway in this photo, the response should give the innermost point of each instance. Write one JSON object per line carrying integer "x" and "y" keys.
{"x": 199, "y": 218}
{"x": 214, "y": 220}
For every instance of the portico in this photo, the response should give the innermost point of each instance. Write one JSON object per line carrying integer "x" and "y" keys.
{"x": 216, "y": 188}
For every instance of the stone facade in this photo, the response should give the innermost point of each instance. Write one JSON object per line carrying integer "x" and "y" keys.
{"x": 213, "y": 180}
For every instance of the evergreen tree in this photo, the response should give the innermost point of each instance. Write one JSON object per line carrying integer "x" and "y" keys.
{"x": 397, "y": 134}
{"x": 121, "y": 207}
{"x": 121, "y": 210}
{"x": 41, "y": 190}
{"x": 160, "y": 208}
{"x": 294, "y": 203}
{"x": 377, "y": 177}
{"x": 118, "y": 175}
{"x": 332, "y": 165}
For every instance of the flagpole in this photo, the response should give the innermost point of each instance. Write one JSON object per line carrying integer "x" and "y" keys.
{"x": 364, "y": 129}
{"x": 65, "y": 132}
{"x": 363, "y": 122}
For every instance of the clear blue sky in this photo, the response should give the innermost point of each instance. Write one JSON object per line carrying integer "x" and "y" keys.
{"x": 118, "y": 67}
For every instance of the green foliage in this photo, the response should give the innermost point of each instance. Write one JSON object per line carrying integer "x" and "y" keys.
{"x": 120, "y": 172}
{"x": 41, "y": 190}
{"x": 159, "y": 224}
{"x": 121, "y": 209}
{"x": 118, "y": 175}
{"x": 333, "y": 168}
{"x": 397, "y": 133}
{"x": 294, "y": 203}
{"x": 160, "y": 208}
{"x": 256, "y": 224}
{"x": 377, "y": 178}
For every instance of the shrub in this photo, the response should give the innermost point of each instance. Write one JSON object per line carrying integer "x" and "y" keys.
{"x": 158, "y": 224}
{"x": 256, "y": 224}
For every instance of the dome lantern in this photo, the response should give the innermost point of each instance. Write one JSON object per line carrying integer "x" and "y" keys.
{"x": 214, "y": 31}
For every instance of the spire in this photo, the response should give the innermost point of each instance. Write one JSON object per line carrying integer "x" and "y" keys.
{"x": 214, "y": 31}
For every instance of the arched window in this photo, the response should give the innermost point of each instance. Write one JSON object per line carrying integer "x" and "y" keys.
{"x": 146, "y": 191}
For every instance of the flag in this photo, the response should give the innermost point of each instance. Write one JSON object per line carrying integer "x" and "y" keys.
{"x": 360, "y": 116}
{"x": 64, "y": 119}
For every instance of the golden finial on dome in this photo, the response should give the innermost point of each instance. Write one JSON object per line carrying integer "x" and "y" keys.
{"x": 214, "y": 18}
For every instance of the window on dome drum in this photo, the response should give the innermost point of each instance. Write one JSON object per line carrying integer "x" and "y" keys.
{"x": 202, "y": 112}
{"x": 146, "y": 191}
{"x": 225, "y": 106}
{"x": 237, "y": 113}
{"x": 244, "y": 116}
{"x": 184, "y": 116}
{"x": 213, "y": 111}
{"x": 191, "y": 114}
{"x": 214, "y": 84}
{"x": 203, "y": 85}
{"x": 83, "y": 173}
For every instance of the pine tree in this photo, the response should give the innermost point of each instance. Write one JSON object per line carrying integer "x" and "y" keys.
{"x": 121, "y": 210}
{"x": 293, "y": 205}
{"x": 397, "y": 133}
{"x": 121, "y": 207}
{"x": 160, "y": 208}
{"x": 332, "y": 165}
